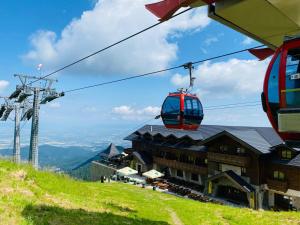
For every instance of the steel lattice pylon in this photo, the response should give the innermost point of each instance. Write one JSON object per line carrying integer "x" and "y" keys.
{"x": 20, "y": 98}
{"x": 34, "y": 138}
{"x": 17, "y": 148}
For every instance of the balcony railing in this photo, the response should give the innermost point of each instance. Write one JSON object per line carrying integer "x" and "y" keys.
{"x": 237, "y": 160}
{"x": 180, "y": 165}
{"x": 278, "y": 185}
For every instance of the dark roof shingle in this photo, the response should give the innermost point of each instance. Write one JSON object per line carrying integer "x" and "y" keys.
{"x": 260, "y": 138}
{"x": 111, "y": 151}
{"x": 293, "y": 162}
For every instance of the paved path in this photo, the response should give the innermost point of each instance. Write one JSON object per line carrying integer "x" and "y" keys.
{"x": 175, "y": 218}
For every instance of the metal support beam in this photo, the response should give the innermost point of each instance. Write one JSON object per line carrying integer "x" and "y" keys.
{"x": 33, "y": 150}
{"x": 17, "y": 149}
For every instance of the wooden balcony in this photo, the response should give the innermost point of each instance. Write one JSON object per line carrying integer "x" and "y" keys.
{"x": 236, "y": 160}
{"x": 180, "y": 165}
{"x": 277, "y": 185}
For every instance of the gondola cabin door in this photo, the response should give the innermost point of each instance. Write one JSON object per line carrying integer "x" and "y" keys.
{"x": 281, "y": 97}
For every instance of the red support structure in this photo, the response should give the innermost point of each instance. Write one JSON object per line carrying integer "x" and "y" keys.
{"x": 262, "y": 53}
{"x": 166, "y": 8}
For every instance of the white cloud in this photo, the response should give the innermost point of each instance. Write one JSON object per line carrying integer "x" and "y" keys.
{"x": 3, "y": 85}
{"x": 108, "y": 22}
{"x": 150, "y": 110}
{"x": 231, "y": 78}
{"x": 129, "y": 113}
{"x": 90, "y": 109}
{"x": 54, "y": 105}
{"x": 247, "y": 41}
{"x": 123, "y": 110}
{"x": 211, "y": 40}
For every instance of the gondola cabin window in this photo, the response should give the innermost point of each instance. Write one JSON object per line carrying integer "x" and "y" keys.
{"x": 273, "y": 87}
{"x": 292, "y": 79}
{"x": 171, "y": 110}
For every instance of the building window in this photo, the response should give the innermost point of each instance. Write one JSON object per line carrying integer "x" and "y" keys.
{"x": 183, "y": 158}
{"x": 191, "y": 159}
{"x": 278, "y": 175}
{"x": 179, "y": 173}
{"x": 220, "y": 167}
{"x": 243, "y": 171}
{"x": 170, "y": 156}
{"x": 240, "y": 150}
{"x": 194, "y": 177}
{"x": 205, "y": 161}
{"x": 286, "y": 154}
{"x": 162, "y": 154}
{"x": 223, "y": 148}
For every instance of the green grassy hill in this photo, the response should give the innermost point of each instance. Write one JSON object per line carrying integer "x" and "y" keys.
{"x": 30, "y": 197}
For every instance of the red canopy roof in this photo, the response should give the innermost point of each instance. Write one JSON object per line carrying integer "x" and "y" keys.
{"x": 166, "y": 8}
{"x": 262, "y": 53}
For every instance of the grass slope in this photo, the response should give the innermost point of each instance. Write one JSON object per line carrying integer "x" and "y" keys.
{"x": 36, "y": 198}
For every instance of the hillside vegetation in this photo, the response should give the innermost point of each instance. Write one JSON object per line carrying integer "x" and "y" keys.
{"x": 37, "y": 198}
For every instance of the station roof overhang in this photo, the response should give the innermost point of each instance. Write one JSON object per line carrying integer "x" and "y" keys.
{"x": 266, "y": 21}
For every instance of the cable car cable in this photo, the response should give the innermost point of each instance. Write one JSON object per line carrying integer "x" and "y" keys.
{"x": 228, "y": 54}
{"x": 230, "y": 107}
{"x": 160, "y": 71}
{"x": 233, "y": 104}
{"x": 123, "y": 79}
{"x": 108, "y": 47}
{"x": 158, "y": 117}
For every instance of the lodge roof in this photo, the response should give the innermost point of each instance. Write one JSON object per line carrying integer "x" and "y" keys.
{"x": 236, "y": 179}
{"x": 262, "y": 139}
{"x": 292, "y": 162}
{"x": 143, "y": 157}
{"x": 111, "y": 151}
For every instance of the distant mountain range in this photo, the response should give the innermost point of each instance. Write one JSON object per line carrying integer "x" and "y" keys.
{"x": 83, "y": 170}
{"x": 64, "y": 158}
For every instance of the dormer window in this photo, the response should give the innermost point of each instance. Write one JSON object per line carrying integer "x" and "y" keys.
{"x": 147, "y": 137}
{"x": 172, "y": 140}
{"x": 286, "y": 154}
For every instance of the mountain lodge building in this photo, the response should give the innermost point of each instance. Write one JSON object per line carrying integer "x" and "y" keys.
{"x": 250, "y": 166}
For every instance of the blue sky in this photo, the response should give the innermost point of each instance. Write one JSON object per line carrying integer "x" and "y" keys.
{"x": 58, "y": 32}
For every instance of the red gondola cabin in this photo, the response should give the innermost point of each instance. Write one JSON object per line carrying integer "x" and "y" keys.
{"x": 181, "y": 110}
{"x": 281, "y": 96}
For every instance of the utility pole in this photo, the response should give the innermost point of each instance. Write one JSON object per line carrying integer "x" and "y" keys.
{"x": 17, "y": 150}
{"x": 34, "y": 148}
